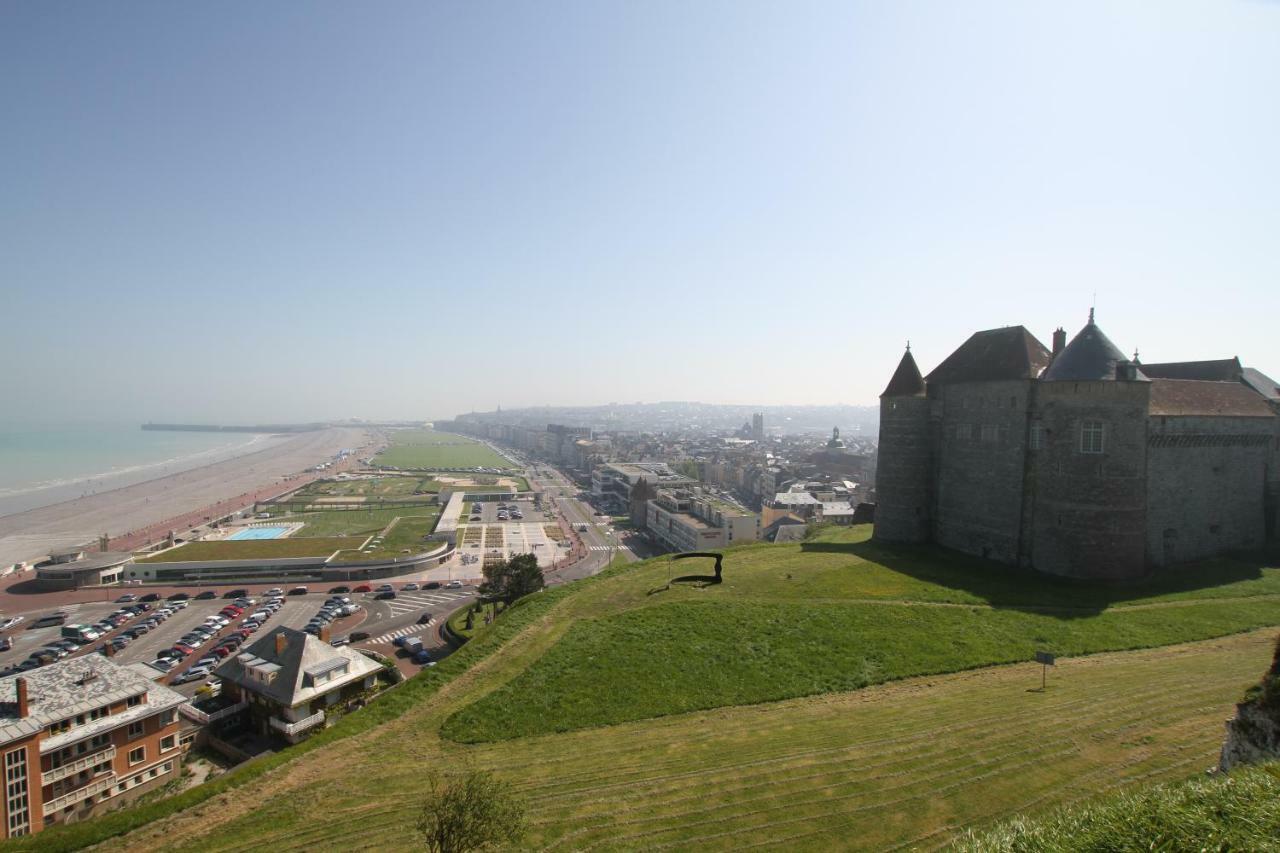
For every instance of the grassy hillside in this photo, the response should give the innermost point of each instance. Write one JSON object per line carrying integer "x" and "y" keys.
{"x": 908, "y": 763}
{"x": 1236, "y": 812}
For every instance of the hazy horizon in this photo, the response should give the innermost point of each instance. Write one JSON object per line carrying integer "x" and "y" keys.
{"x": 263, "y": 213}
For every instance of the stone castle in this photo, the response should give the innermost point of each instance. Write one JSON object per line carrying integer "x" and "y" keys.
{"x": 1078, "y": 461}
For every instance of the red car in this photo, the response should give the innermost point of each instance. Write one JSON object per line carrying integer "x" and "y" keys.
{"x": 183, "y": 649}
{"x": 222, "y": 651}
{"x": 364, "y": 587}
{"x": 231, "y": 610}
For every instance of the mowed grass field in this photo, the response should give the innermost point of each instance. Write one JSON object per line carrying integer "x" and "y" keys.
{"x": 903, "y": 763}
{"x": 254, "y": 549}
{"x": 424, "y": 448}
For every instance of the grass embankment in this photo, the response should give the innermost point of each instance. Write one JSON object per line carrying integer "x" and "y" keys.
{"x": 253, "y": 549}
{"x": 909, "y": 763}
{"x": 1236, "y": 812}
{"x": 417, "y": 448}
{"x": 458, "y": 623}
{"x": 835, "y": 614}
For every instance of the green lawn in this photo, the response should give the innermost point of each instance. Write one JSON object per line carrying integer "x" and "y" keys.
{"x": 429, "y": 449}
{"x": 373, "y": 487}
{"x": 352, "y": 521}
{"x": 254, "y": 549}
{"x": 673, "y": 737}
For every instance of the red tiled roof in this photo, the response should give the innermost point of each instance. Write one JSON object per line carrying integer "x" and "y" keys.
{"x": 1202, "y": 397}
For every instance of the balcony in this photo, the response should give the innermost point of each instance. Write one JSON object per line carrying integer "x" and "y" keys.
{"x": 194, "y": 714}
{"x": 91, "y": 790}
{"x": 293, "y": 729}
{"x": 82, "y": 763}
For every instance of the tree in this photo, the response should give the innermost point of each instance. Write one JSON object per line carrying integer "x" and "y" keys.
{"x": 510, "y": 580}
{"x": 470, "y": 812}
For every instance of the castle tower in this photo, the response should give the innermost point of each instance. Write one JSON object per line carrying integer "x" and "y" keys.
{"x": 1090, "y": 446}
{"x": 902, "y": 474}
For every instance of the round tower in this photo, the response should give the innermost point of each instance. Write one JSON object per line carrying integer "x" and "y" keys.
{"x": 903, "y": 493}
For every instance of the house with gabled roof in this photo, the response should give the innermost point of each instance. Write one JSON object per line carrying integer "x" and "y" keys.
{"x": 290, "y": 679}
{"x": 1078, "y": 460}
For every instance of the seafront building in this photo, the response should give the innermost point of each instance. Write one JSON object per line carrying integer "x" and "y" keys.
{"x": 613, "y": 482}
{"x": 1078, "y": 461}
{"x": 693, "y": 520}
{"x": 79, "y": 737}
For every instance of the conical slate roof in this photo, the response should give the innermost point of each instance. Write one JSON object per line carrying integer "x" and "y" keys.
{"x": 1089, "y": 357}
{"x": 906, "y": 381}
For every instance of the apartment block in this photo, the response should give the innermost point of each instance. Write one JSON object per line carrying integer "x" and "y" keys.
{"x": 81, "y": 735}
{"x": 692, "y": 520}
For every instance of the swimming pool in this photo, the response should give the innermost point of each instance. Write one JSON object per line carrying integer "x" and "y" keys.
{"x": 259, "y": 533}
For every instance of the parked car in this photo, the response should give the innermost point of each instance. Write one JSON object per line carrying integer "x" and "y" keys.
{"x": 235, "y": 593}
{"x": 357, "y": 636}
{"x": 340, "y": 641}
{"x": 338, "y": 589}
{"x": 183, "y": 649}
{"x": 453, "y": 585}
{"x": 206, "y": 595}
{"x": 179, "y": 596}
{"x": 364, "y": 587}
{"x": 126, "y": 597}
{"x": 275, "y": 590}
{"x": 410, "y": 587}
{"x": 164, "y": 664}
{"x": 151, "y": 596}
{"x": 194, "y": 674}
{"x": 432, "y": 585}
{"x": 386, "y": 595}
{"x": 298, "y": 590}
{"x": 221, "y": 652}
{"x": 422, "y": 657}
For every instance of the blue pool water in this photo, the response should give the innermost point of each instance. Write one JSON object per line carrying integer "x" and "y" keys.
{"x": 259, "y": 533}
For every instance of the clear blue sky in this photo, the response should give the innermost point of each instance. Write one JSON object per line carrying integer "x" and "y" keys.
{"x": 287, "y": 211}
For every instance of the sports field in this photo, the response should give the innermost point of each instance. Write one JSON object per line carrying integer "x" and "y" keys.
{"x": 634, "y": 741}
{"x": 428, "y": 449}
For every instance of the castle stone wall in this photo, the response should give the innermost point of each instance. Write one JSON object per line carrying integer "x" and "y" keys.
{"x": 982, "y": 436}
{"x": 903, "y": 471}
{"x": 1206, "y": 486}
{"x": 1090, "y": 509}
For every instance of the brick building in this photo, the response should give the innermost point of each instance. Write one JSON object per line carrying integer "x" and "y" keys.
{"x": 78, "y": 737}
{"x": 1078, "y": 461}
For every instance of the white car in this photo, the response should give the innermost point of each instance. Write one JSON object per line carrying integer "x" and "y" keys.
{"x": 453, "y": 585}
{"x": 10, "y": 622}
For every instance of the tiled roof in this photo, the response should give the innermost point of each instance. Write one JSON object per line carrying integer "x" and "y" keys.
{"x": 1261, "y": 382}
{"x": 1199, "y": 397}
{"x": 1221, "y": 370}
{"x": 1008, "y": 353}
{"x": 303, "y": 655}
{"x": 77, "y": 686}
{"x": 1089, "y": 357}
{"x": 906, "y": 381}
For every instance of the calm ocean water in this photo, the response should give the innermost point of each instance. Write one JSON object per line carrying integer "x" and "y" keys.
{"x": 44, "y": 463}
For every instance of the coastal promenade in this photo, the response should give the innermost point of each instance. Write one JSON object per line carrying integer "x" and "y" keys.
{"x": 134, "y": 514}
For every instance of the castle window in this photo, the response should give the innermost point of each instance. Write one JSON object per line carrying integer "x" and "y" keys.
{"x": 990, "y": 432}
{"x": 1091, "y": 437}
{"x": 1037, "y": 436}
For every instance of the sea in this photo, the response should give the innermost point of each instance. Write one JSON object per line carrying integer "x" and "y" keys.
{"x": 47, "y": 463}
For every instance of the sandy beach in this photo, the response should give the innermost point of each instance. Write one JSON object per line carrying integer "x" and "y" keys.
{"x": 135, "y": 508}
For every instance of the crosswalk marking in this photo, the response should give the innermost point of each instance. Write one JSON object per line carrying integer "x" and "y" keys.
{"x": 601, "y": 547}
{"x": 400, "y": 632}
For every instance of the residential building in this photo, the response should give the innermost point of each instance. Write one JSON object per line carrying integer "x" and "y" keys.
{"x": 289, "y": 678}
{"x": 612, "y": 482}
{"x": 693, "y": 519}
{"x": 80, "y": 736}
{"x": 1078, "y": 461}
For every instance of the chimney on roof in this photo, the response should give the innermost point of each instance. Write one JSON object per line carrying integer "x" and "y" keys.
{"x": 324, "y": 634}
{"x": 281, "y": 642}
{"x": 23, "y": 706}
{"x": 1059, "y": 340}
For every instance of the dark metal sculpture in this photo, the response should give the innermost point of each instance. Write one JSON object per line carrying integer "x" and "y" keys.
{"x": 719, "y": 558}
